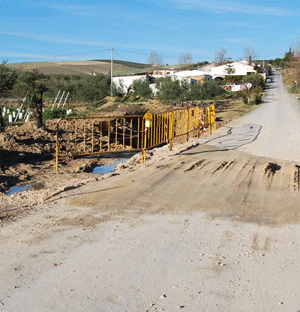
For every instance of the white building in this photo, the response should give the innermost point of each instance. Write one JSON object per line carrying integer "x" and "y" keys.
{"x": 196, "y": 76}
{"x": 238, "y": 69}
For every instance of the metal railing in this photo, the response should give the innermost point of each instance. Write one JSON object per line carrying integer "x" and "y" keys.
{"x": 89, "y": 136}
{"x": 165, "y": 127}
{"x": 97, "y": 135}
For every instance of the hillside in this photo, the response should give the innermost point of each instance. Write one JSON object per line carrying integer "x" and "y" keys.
{"x": 78, "y": 67}
{"x": 126, "y": 63}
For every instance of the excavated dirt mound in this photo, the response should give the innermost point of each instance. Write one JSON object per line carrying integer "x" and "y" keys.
{"x": 27, "y": 156}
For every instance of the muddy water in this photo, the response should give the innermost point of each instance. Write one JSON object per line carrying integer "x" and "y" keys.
{"x": 108, "y": 168}
{"x": 105, "y": 169}
{"x": 33, "y": 186}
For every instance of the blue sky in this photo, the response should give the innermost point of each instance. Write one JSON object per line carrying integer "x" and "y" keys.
{"x": 76, "y": 30}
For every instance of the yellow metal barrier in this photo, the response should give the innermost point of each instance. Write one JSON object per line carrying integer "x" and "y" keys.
{"x": 164, "y": 127}
{"x": 211, "y": 115}
{"x": 156, "y": 130}
{"x": 114, "y": 134}
{"x": 97, "y": 135}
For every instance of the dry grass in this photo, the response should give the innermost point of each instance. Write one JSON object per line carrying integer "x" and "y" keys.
{"x": 291, "y": 74}
{"x": 71, "y": 68}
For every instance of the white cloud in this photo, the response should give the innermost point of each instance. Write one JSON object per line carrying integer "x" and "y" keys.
{"x": 219, "y": 7}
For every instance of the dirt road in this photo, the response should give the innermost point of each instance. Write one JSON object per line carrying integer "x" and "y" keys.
{"x": 273, "y": 130}
{"x": 211, "y": 226}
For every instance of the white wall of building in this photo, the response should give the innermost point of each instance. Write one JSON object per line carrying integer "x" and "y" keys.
{"x": 126, "y": 81}
{"x": 239, "y": 70}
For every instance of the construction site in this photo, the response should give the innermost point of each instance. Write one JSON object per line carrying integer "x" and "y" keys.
{"x": 189, "y": 207}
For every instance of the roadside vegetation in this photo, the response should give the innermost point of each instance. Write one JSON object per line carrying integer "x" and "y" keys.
{"x": 173, "y": 90}
{"x": 290, "y": 68}
{"x": 176, "y": 90}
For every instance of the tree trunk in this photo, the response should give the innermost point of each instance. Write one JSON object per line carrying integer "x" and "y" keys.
{"x": 2, "y": 126}
{"x": 37, "y": 110}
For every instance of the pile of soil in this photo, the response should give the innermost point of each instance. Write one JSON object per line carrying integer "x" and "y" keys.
{"x": 22, "y": 147}
{"x": 27, "y": 156}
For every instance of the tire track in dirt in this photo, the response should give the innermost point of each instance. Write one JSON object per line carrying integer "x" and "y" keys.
{"x": 229, "y": 183}
{"x": 297, "y": 177}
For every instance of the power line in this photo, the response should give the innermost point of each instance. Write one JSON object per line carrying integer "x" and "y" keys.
{"x": 122, "y": 56}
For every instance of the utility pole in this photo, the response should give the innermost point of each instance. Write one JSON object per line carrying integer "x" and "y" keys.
{"x": 111, "y": 72}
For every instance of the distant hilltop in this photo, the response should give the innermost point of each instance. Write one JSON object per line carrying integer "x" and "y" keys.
{"x": 80, "y": 67}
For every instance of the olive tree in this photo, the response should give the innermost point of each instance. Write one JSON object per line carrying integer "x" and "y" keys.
{"x": 7, "y": 81}
{"x": 172, "y": 90}
{"x": 95, "y": 88}
{"x": 36, "y": 84}
{"x": 141, "y": 87}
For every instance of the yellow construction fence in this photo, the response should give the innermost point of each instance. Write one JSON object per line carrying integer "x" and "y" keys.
{"x": 87, "y": 136}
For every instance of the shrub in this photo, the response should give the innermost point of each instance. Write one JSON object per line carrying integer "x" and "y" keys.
{"x": 55, "y": 113}
{"x": 294, "y": 88}
{"x": 257, "y": 99}
{"x": 233, "y": 79}
{"x": 258, "y": 90}
{"x": 141, "y": 87}
{"x": 95, "y": 104}
{"x": 255, "y": 79}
